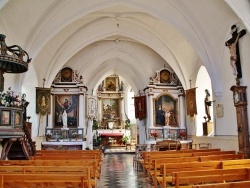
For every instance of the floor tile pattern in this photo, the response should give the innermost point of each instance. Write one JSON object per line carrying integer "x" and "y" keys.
{"x": 118, "y": 172}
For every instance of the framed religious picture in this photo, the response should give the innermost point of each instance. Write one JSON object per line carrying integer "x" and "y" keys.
{"x": 5, "y": 118}
{"x": 110, "y": 109}
{"x": 43, "y": 98}
{"x": 165, "y": 110}
{"x": 18, "y": 119}
{"x": 110, "y": 83}
{"x": 66, "y": 109}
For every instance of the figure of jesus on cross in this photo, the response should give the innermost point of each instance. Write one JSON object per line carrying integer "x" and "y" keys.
{"x": 233, "y": 46}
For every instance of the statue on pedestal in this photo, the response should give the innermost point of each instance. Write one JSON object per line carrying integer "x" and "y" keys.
{"x": 65, "y": 119}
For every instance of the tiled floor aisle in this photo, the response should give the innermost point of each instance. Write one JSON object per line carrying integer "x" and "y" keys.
{"x": 118, "y": 172}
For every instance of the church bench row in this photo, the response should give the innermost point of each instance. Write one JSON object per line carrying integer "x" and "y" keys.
{"x": 240, "y": 184}
{"x": 40, "y": 152}
{"x": 154, "y": 168}
{"x": 148, "y": 157}
{"x": 79, "y": 163}
{"x": 145, "y": 155}
{"x": 187, "y": 179}
{"x": 168, "y": 170}
{"x": 44, "y": 180}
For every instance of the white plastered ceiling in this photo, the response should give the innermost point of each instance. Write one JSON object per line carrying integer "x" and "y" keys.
{"x": 130, "y": 38}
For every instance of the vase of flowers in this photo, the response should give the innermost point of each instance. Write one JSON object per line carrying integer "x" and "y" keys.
{"x": 183, "y": 135}
{"x": 75, "y": 135}
{"x": 48, "y": 136}
{"x": 154, "y": 135}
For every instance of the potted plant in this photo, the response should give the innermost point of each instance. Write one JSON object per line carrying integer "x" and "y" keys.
{"x": 127, "y": 124}
{"x": 125, "y": 140}
{"x": 95, "y": 124}
{"x": 61, "y": 138}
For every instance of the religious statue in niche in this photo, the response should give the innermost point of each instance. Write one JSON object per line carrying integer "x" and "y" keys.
{"x": 233, "y": 46}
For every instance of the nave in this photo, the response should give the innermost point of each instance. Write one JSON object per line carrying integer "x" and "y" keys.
{"x": 118, "y": 172}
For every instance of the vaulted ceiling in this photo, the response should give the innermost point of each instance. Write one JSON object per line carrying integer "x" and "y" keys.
{"x": 130, "y": 38}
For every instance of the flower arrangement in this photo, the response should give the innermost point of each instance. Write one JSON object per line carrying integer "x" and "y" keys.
{"x": 155, "y": 135}
{"x": 74, "y": 134}
{"x": 183, "y": 134}
{"x": 8, "y": 99}
{"x": 48, "y": 135}
{"x": 110, "y": 140}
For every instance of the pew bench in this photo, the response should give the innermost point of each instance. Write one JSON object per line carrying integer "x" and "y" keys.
{"x": 81, "y": 163}
{"x": 186, "y": 179}
{"x": 87, "y": 172}
{"x": 44, "y": 181}
{"x": 167, "y": 169}
{"x": 240, "y": 184}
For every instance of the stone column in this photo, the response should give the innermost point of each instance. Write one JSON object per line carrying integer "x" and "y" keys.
{"x": 150, "y": 110}
{"x": 81, "y": 111}
{"x": 182, "y": 110}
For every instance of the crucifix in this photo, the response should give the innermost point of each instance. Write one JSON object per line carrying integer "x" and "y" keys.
{"x": 233, "y": 46}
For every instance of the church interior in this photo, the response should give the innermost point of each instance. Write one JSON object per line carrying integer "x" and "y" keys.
{"x": 87, "y": 75}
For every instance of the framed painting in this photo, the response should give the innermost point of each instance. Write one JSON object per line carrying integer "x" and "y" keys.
{"x": 69, "y": 104}
{"x": 43, "y": 100}
{"x": 18, "y": 119}
{"x": 110, "y": 109}
{"x": 6, "y": 117}
{"x": 165, "y": 109}
{"x": 111, "y": 83}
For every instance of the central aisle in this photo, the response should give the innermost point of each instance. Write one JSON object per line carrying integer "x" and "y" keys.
{"x": 118, "y": 172}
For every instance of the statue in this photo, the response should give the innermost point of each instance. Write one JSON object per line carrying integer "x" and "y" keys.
{"x": 208, "y": 103}
{"x": 65, "y": 119}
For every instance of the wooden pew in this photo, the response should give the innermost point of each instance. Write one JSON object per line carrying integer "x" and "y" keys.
{"x": 221, "y": 157}
{"x": 185, "y": 153}
{"x": 146, "y": 163}
{"x": 189, "y": 178}
{"x": 167, "y": 169}
{"x": 39, "y": 152}
{"x": 154, "y": 171}
{"x": 213, "y": 153}
{"x": 154, "y": 160}
{"x": 87, "y": 171}
{"x": 164, "y": 176}
{"x": 81, "y": 163}
{"x": 43, "y": 180}
{"x": 229, "y": 164}
{"x": 240, "y": 184}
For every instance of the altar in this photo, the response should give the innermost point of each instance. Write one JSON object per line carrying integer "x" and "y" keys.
{"x": 77, "y": 145}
